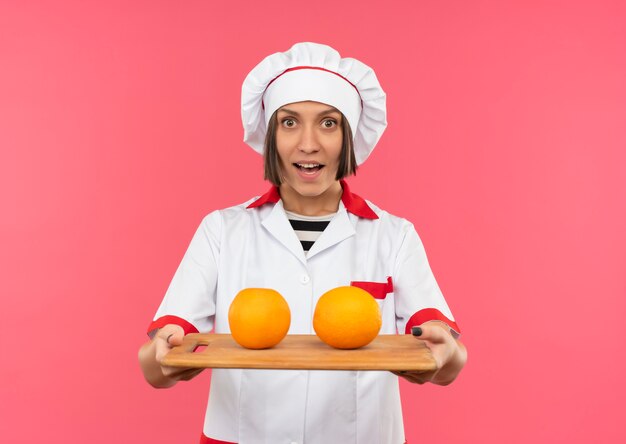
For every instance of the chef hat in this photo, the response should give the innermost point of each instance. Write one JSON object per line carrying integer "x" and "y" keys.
{"x": 311, "y": 71}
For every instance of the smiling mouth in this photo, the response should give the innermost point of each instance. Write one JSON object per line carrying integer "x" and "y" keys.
{"x": 309, "y": 167}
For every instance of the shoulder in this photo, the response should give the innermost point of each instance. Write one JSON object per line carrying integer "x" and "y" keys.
{"x": 391, "y": 232}
{"x": 398, "y": 235}
{"x": 390, "y": 221}
{"x": 225, "y": 216}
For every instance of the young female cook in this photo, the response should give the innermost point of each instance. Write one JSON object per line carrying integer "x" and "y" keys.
{"x": 315, "y": 117}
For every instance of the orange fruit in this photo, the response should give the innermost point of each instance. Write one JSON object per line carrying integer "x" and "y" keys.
{"x": 259, "y": 318}
{"x": 347, "y": 317}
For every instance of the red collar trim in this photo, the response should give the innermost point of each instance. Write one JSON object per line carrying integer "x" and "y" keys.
{"x": 353, "y": 203}
{"x": 356, "y": 204}
{"x": 272, "y": 196}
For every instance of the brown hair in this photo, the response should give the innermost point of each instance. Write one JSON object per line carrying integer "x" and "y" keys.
{"x": 347, "y": 160}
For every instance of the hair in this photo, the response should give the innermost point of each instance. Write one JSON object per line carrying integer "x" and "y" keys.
{"x": 347, "y": 160}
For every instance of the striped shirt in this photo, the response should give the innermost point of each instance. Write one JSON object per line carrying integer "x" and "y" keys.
{"x": 308, "y": 228}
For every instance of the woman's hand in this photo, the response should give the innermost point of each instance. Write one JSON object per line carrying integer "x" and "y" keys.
{"x": 449, "y": 353}
{"x": 152, "y": 353}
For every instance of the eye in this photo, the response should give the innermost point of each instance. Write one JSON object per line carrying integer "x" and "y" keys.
{"x": 330, "y": 123}
{"x": 289, "y": 123}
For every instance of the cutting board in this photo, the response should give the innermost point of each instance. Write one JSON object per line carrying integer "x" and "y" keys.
{"x": 386, "y": 352}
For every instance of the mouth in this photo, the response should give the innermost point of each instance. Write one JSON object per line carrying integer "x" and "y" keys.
{"x": 309, "y": 168}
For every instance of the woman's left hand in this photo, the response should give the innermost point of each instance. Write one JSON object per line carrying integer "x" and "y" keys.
{"x": 449, "y": 353}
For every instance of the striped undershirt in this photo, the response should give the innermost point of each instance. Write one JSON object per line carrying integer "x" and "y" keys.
{"x": 308, "y": 228}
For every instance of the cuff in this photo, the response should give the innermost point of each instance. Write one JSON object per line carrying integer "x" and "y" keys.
{"x": 206, "y": 440}
{"x": 169, "y": 319}
{"x": 431, "y": 314}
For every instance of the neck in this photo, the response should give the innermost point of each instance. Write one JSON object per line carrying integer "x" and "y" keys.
{"x": 325, "y": 203}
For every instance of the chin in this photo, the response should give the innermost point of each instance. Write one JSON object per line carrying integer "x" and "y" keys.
{"x": 310, "y": 190}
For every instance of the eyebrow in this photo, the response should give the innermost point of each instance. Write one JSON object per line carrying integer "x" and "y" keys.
{"x": 295, "y": 113}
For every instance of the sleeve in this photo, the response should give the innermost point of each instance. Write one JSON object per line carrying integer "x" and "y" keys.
{"x": 190, "y": 297}
{"x": 417, "y": 295}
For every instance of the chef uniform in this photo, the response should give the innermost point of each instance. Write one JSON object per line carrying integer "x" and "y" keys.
{"x": 254, "y": 245}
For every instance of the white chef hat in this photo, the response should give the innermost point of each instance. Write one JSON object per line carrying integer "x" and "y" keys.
{"x": 311, "y": 71}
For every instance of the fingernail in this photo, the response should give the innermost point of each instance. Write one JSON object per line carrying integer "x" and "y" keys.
{"x": 417, "y": 331}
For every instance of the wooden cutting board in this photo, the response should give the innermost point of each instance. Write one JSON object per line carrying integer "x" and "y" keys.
{"x": 386, "y": 352}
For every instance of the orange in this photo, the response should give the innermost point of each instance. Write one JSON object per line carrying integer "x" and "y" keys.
{"x": 259, "y": 318}
{"x": 347, "y": 317}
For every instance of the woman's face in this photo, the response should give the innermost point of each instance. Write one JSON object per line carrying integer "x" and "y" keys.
{"x": 309, "y": 139}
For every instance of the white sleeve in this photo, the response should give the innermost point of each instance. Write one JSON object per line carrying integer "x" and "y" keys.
{"x": 190, "y": 297}
{"x": 418, "y": 298}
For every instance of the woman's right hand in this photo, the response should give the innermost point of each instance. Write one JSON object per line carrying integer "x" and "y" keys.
{"x": 152, "y": 353}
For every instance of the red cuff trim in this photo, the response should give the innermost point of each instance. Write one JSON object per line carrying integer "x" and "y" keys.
{"x": 377, "y": 289}
{"x": 164, "y": 320}
{"x": 429, "y": 314}
{"x": 353, "y": 203}
{"x": 207, "y": 440}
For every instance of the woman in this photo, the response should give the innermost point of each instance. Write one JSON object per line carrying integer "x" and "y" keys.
{"x": 298, "y": 110}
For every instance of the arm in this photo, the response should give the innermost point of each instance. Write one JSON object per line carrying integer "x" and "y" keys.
{"x": 422, "y": 310}
{"x": 152, "y": 352}
{"x": 188, "y": 306}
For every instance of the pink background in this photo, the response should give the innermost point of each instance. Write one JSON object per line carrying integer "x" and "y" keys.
{"x": 506, "y": 146}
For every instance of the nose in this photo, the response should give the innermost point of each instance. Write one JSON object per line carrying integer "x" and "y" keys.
{"x": 309, "y": 142}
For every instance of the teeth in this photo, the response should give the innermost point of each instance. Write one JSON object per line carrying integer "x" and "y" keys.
{"x": 308, "y": 165}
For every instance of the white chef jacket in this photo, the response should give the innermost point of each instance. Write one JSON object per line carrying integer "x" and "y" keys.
{"x": 253, "y": 245}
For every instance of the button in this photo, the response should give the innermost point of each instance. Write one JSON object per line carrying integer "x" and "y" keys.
{"x": 304, "y": 279}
